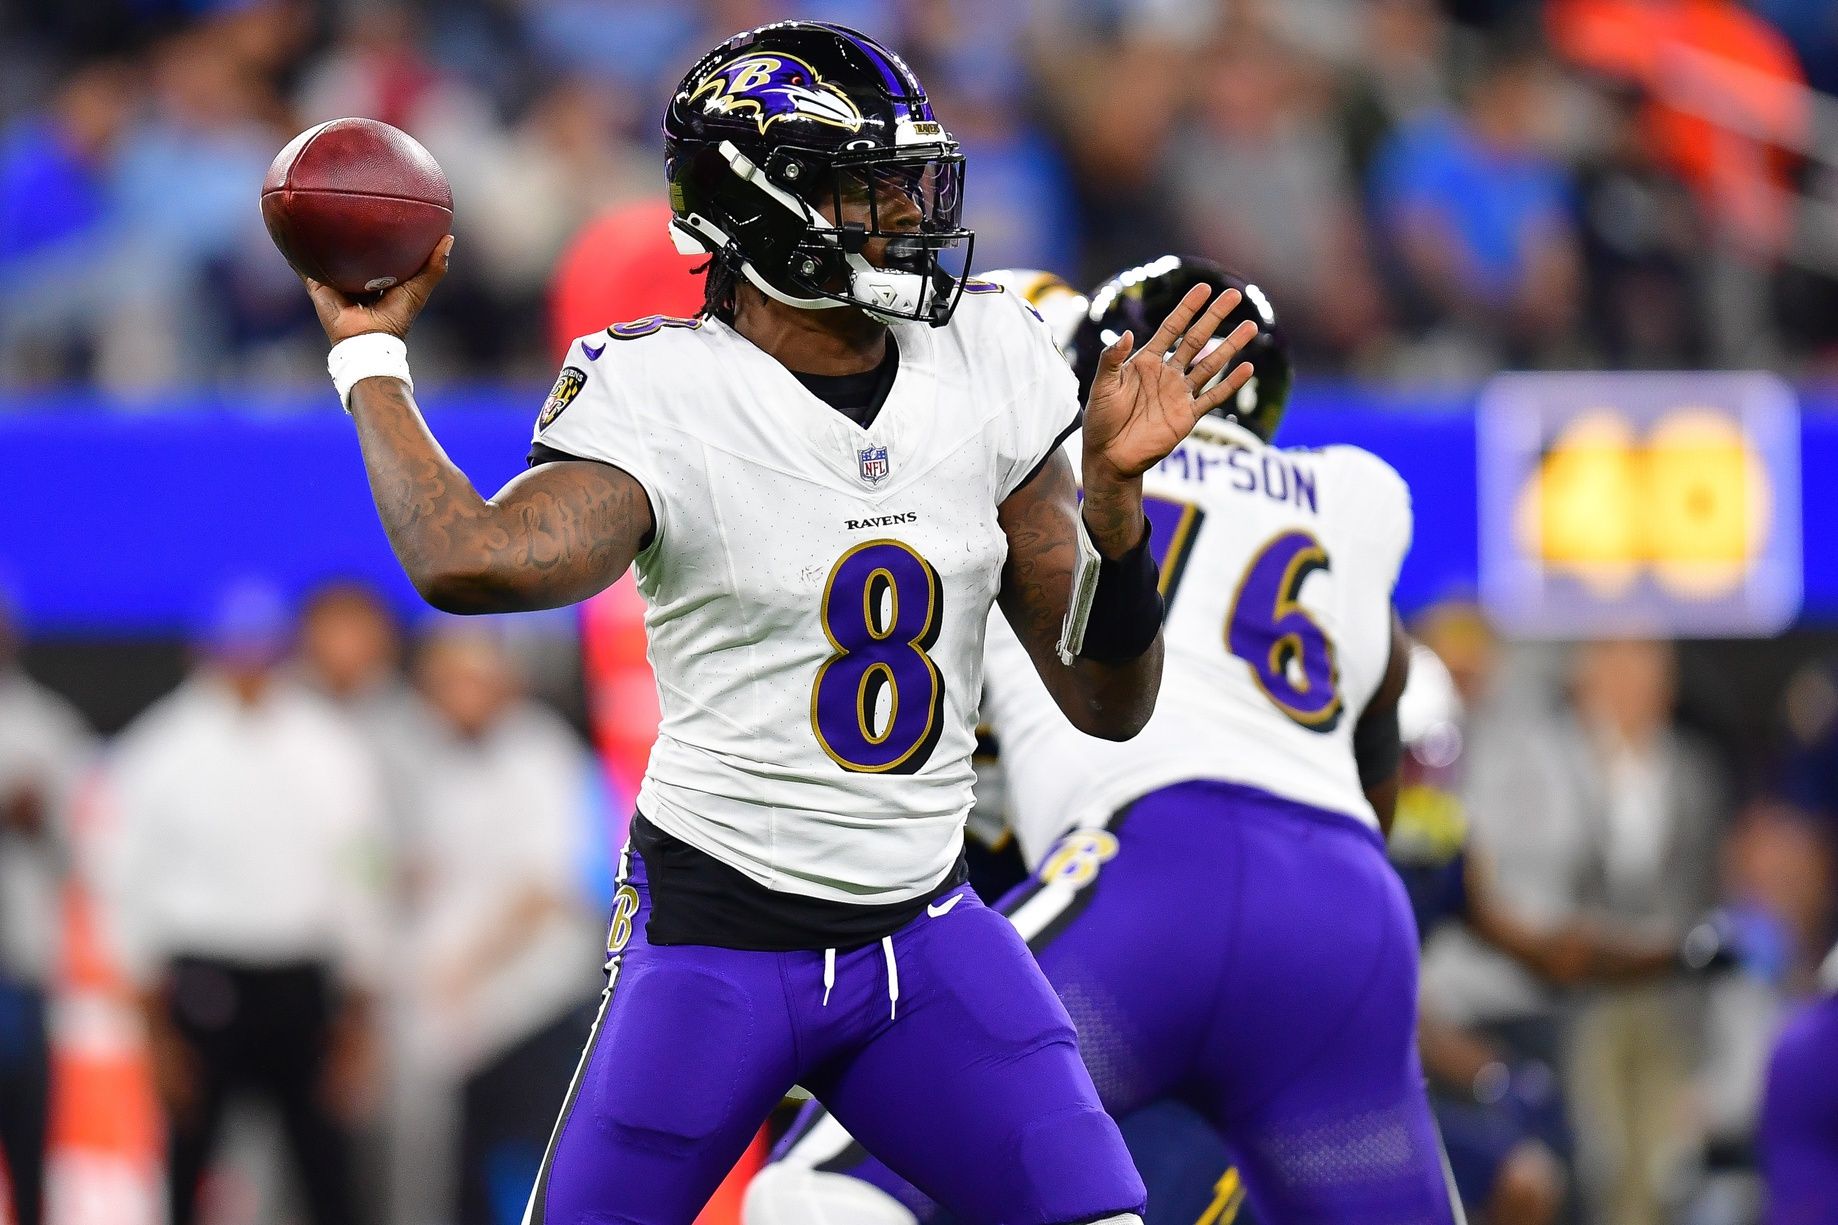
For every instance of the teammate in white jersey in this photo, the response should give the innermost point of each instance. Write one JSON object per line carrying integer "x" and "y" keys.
{"x": 1212, "y": 900}
{"x": 825, "y": 480}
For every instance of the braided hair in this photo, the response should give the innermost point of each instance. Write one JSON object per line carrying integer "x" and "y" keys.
{"x": 720, "y": 282}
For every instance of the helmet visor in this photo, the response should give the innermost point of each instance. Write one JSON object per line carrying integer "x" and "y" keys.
{"x": 901, "y": 211}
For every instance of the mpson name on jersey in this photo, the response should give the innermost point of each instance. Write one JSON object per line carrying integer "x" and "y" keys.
{"x": 1278, "y": 476}
{"x": 856, "y": 525}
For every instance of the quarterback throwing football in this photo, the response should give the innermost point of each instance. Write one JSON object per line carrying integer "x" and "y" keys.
{"x": 825, "y": 480}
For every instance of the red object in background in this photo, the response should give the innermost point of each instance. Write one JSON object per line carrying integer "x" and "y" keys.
{"x": 105, "y": 1148}
{"x": 621, "y": 266}
{"x": 1727, "y": 102}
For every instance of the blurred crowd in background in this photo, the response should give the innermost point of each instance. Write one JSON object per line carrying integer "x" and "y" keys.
{"x": 361, "y": 892}
{"x": 1435, "y": 189}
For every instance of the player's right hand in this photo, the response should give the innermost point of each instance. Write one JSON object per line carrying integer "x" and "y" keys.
{"x": 393, "y": 312}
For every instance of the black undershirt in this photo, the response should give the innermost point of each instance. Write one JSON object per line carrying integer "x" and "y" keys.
{"x": 856, "y": 396}
{"x": 697, "y": 899}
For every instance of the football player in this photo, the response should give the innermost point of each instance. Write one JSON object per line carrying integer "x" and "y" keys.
{"x": 826, "y": 479}
{"x": 1212, "y": 900}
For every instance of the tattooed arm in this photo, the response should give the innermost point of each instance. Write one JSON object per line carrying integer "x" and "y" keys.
{"x": 1142, "y": 404}
{"x": 1108, "y": 700}
{"x": 555, "y": 535}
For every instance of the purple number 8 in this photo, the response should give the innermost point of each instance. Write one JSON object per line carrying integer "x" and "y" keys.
{"x": 881, "y": 610}
{"x": 1291, "y": 657}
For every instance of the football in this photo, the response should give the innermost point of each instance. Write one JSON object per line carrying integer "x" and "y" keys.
{"x": 356, "y": 204}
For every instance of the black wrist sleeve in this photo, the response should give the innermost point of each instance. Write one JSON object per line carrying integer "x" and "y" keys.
{"x": 1377, "y": 747}
{"x": 1126, "y": 610}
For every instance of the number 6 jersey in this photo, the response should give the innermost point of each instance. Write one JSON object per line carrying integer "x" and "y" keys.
{"x": 1278, "y": 568}
{"x": 816, "y": 591}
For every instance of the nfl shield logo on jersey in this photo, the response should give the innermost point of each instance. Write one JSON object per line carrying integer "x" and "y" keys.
{"x": 873, "y": 461}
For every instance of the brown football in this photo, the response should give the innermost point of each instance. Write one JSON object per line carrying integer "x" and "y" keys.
{"x": 356, "y": 204}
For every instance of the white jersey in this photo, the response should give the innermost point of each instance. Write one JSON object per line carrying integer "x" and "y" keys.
{"x": 816, "y": 593}
{"x": 1278, "y": 568}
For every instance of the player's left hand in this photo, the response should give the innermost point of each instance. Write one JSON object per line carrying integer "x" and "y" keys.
{"x": 1145, "y": 401}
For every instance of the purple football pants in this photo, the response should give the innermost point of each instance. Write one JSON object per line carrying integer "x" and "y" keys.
{"x": 942, "y": 1046}
{"x": 1798, "y": 1135}
{"x": 1256, "y": 959}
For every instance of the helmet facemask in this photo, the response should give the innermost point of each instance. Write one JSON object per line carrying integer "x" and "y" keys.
{"x": 878, "y": 229}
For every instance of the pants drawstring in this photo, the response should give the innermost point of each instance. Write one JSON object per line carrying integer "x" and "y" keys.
{"x": 893, "y": 979}
{"x": 893, "y": 976}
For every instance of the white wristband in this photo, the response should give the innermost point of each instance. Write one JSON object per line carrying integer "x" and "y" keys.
{"x": 367, "y": 356}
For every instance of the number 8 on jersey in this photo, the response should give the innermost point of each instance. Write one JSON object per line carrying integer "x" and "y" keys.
{"x": 882, "y": 606}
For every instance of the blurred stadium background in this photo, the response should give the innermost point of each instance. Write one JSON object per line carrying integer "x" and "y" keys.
{"x": 1629, "y": 573}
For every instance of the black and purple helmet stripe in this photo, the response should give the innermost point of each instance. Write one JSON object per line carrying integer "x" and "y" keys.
{"x": 902, "y": 83}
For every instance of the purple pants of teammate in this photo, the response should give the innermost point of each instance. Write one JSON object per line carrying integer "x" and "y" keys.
{"x": 1798, "y": 1135}
{"x": 942, "y": 1046}
{"x": 1254, "y": 958}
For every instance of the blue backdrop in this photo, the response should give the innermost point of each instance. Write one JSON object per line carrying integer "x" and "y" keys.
{"x": 122, "y": 518}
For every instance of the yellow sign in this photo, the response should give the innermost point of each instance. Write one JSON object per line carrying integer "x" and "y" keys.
{"x": 1639, "y": 503}
{"x": 1687, "y": 500}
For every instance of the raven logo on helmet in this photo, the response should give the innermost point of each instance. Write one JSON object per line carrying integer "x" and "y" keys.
{"x": 776, "y": 87}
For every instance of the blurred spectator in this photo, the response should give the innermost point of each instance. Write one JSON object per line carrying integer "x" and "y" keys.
{"x": 351, "y": 653}
{"x": 1260, "y": 181}
{"x": 1783, "y": 868}
{"x": 504, "y": 950}
{"x": 183, "y": 179}
{"x": 245, "y": 888}
{"x": 55, "y": 219}
{"x": 1478, "y": 217}
{"x": 1658, "y": 810}
{"x": 1601, "y": 810}
{"x": 380, "y": 69}
{"x": 1642, "y": 238}
{"x": 1021, "y": 203}
{"x": 44, "y": 747}
{"x": 1609, "y": 810}
{"x": 1399, "y": 71}
{"x": 1115, "y": 107}
{"x": 1308, "y": 142}
{"x": 1462, "y": 639}
{"x": 1728, "y": 114}
{"x": 566, "y": 159}
{"x": 1809, "y": 775}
